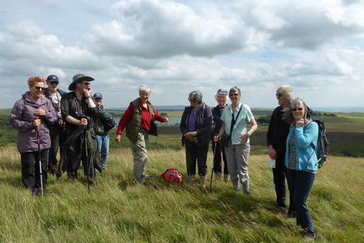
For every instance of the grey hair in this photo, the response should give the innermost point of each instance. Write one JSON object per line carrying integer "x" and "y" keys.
{"x": 288, "y": 116}
{"x": 221, "y": 92}
{"x": 286, "y": 91}
{"x": 195, "y": 96}
{"x": 234, "y": 90}
{"x": 144, "y": 88}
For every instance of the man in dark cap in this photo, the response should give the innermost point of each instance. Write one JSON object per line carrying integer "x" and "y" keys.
{"x": 102, "y": 136}
{"x": 78, "y": 112}
{"x": 54, "y": 94}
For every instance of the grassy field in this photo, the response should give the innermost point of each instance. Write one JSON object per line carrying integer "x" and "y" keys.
{"x": 117, "y": 211}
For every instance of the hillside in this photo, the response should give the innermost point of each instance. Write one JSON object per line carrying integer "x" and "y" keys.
{"x": 117, "y": 211}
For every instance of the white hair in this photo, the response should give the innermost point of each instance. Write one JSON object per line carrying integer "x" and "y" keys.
{"x": 144, "y": 88}
{"x": 286, "y": 91}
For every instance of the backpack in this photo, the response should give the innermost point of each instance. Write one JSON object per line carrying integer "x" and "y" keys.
{"x": 104, "y": 122}
{"x": 322, "y": 144}
{"x": 172, "y": 175}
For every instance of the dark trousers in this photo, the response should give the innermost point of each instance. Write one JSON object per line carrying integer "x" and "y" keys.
{"x": 196, "y": 154}
{"x": 300, "y": 183}
{"x": 55, "y": 140}
{"x": 30, "y": 171}
{"x": 219, "y": 157}
{"x": 77, "y": 154}
{"x": 279, "y": 179}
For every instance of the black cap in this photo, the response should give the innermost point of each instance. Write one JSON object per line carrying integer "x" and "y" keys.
{"x": 52, "y": 79}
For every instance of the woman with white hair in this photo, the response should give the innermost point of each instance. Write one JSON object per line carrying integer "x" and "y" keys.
{"x": 195, "y": 126}
{"x": 239, "y": 125}
{"x": 138, "y": 120}
{"x": 276, "y": 142}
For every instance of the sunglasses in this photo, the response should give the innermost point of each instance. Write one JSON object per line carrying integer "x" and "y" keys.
{"x": 297, "y": 109}
{"x": 39, "y": 88}
{"x": 86, "y": 83}
{"x": 279, "y": 95}
{"x": 54, "y": 83}
{"x": 235, "y": 94}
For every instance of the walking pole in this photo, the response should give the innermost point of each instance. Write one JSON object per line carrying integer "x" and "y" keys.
{"x": 40, "y": 164}
{"x": 212, "y": 170}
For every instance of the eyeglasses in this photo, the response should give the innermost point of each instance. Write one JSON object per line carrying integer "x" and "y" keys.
{"x": 39, "y": 88}
{"x": 54, "y": 83}
{"x": 234, "y": 94}
{"x": 297, "y": 109}
{"x": 279, "y": 95}
{"x": 86, "y": 83}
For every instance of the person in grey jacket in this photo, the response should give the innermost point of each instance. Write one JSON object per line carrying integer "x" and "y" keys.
{"x": 30, "y": 117}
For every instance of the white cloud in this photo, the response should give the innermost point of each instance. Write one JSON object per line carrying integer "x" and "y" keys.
{"x": 159, "y": 29}
{"x": 303, "y": 24}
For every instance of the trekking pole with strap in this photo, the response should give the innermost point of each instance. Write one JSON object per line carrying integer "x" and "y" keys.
{"x": 40, "y": 164}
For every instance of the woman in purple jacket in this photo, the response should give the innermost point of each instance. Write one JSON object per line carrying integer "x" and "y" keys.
{"x": 30, "y": 116}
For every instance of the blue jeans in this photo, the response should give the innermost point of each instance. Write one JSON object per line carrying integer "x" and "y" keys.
{"x": 300, "y": 184}
{"x": 103, "y": 147}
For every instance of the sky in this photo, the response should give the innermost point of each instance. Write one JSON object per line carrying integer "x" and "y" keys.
{"x": 317, "y": 46}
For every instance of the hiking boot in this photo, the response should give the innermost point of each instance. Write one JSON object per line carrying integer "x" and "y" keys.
{"x": 226, "y": 178}
{"x": 191, "y": 180}
{"x": 246, "y": 187}
{"x": 291, "y": 214}
{"x": 203, "y": 181}
{"x": 58, "y": 173}
{"x": 218, "y": 176}
{"x": 36, "y": 191}
{"x": 309, "y": 236}
{"x": 236, "y": 186}
{"x": 281, "y": 205}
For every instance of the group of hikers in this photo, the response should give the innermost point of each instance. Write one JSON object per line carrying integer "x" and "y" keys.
{"x": 75, "y": 123}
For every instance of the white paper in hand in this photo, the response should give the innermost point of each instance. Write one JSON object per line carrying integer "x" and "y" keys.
{"x": 272, "y": 163}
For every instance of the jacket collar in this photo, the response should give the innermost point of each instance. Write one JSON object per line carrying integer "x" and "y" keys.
{"x": 28, "y": 99}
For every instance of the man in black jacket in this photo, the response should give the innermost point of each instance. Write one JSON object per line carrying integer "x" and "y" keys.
{"x": 79, "y": 113}
{"x": 218, "y": 148}
{"x": 54, "y": 94}
{"x": 276, "y": 142}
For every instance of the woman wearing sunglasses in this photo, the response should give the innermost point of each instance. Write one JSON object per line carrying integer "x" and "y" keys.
{"x": 30, "y": 116}
{"x": 239, "y": 125}
{"x": 301, "y": 161}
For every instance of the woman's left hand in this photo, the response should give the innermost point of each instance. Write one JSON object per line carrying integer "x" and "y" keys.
{"x": 244, "y": 138}
{"x": 300, "y": 123}
{"x": 189, "y": 135}
{"x": 39, "y": 112}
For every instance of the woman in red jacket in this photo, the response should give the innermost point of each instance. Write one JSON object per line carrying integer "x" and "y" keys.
{"x": 138, "y": 121}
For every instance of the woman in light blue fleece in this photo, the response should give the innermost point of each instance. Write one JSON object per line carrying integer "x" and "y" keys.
{"x": 301, "y": 161}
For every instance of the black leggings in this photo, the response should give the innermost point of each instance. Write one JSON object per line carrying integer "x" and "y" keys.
{"x": 30, "y": 171}
{"x": 219, "y": 157}
{"x": 196, "y": 154}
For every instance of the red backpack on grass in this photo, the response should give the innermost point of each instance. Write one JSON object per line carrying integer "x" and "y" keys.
{"x": 172, "y": 175}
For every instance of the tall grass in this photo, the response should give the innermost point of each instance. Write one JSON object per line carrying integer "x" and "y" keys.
{"x": 117, "y": 211}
